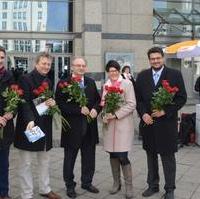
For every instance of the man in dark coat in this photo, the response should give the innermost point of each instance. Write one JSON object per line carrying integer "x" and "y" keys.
{"x": 28, "y": 117}
{"x": 159, "y": 127}
{"x": 7, "y": 126}
{"x": 81, "y": 134}
{"x": 197, "y": 85}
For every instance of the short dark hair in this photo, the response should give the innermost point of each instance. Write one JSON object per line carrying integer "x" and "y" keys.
{"x": 112, "y": 64}
{"x": 125, "y": 67}
{"x": 2, "y": 49}
{"x": 41, "y": 55}
{"x": 155, "y": 50}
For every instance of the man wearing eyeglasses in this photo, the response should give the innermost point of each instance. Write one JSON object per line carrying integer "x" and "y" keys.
{"x": 159, "y": 127}
{"x": 81, "y": 134}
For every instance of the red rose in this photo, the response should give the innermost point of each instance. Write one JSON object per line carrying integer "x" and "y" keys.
{"x": 61, "y": 85}
{"x": 76, "y": 79}
{"x": 36, "y": 92}
{"x": 14, "y": 87}
{"x": 20, "y": 92}
{"x": 41, "y": 89}
{"x": 45, "y": 85}
{"x": 65, "y": 84}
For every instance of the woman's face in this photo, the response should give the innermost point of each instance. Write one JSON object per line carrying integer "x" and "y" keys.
{"x": 127, "y": 71}
{"x": 113, "y": 74}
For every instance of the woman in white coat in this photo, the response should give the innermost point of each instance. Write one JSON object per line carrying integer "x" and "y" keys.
{"x": 118, "y": 136}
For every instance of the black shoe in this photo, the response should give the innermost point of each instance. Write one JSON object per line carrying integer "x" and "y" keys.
{"x": 90, "y": 188}
{"x": 169, "y": 195}
{"x": 149, "y": 192}
{"x": 71, "y": 193}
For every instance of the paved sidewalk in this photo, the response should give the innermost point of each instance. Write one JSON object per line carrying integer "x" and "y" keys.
{"x": 188, "y": 173}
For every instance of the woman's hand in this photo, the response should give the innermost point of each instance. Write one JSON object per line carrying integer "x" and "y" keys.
{"x": 50, "y": 102}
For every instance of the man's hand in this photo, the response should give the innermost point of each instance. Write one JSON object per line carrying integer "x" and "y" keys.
{"x": 50, "y": 102}
{"x": 85, "y": 110}
{"x": 2, "y": 121}
{"x": 93, "y": 113}
{"x": 157, "y": 113}
{"x": 30, "y": 125}
{"x": 147, "y": 119}
{"x": 8, "y": 116}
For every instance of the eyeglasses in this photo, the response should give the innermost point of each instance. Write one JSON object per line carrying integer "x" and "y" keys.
{"x": 113, "y": 71}
{"x": 155, "y": 58}
{"x": 80, "y": 65}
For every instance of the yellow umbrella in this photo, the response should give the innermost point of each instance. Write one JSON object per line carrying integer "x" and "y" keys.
{"x": 184, "y": 49}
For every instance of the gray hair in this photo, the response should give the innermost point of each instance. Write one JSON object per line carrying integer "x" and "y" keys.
{"x": 78, "y": 57}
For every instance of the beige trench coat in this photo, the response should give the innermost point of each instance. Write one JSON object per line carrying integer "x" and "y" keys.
{"x": 118, "y": 135}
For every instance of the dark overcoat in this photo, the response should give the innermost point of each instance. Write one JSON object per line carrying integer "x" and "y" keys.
{"x": 161, "y": 136}
{"x": 79, "y": 127}
{"x": 27, "y": 112}
{"x": 6, "y": 79}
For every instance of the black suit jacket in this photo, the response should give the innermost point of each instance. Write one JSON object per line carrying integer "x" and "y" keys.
{"x": 79, "y": 128}
{"x": 8, "y": 131}
{"x": 197, "y": 85}
{"x": 161, "y": 137}
{"x": 27, "y": 112}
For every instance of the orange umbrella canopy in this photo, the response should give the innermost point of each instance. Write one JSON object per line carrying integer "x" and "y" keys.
{"x": 180, "y": 46}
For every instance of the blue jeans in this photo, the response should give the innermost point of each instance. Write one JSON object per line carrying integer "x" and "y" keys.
{"x": 4, "y": 169}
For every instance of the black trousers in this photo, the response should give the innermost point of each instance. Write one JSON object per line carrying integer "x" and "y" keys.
{"x": 87, "y": 164}
{"x": 4, "y": 172}
{"x": 169, "y": 169}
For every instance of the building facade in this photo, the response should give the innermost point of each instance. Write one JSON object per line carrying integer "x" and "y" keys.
{"x": 99, "y": 30}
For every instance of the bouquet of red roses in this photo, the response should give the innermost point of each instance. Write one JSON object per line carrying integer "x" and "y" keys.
{"x": 164, "y": 96}
{"x": 75, "y": 92}
{"x": 45, "y": 93}
{"x": 112, "y": 99}
{"x": 13, "y": 97}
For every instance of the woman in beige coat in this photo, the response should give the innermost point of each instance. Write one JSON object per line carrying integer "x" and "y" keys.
{"x": 118, "y": 134}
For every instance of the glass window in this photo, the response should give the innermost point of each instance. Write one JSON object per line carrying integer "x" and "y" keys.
{"x": 5, "y": 44}
{"x": 39, "y": 26}
{"x": 4, "y": 25}
{"x": 15, "y": 4}
{"x": 39, "y": 15}
{"x": 19, "y": 25}
{"x": 25, "y": 4}
{"x": 5, "y": 5}
{"x": 15, "y": 25}
{"x": 55, "y": 15}
{"x": 24, "y": 15}
{"x": 39, "y": 4}
{"x": 19, "y": 15}
{"x": 14, "y": 15}
{"x": 25, "y": 26}
{"x": 37, "y": 46}
{"x": 20, "y": 4}
{"x": 4, "y": 15}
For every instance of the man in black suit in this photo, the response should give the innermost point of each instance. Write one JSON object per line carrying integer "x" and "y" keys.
{"x": 159, "y": 127}
{"x": 197, "y": 85}
{"x": 27, "y": 118}
{"x": 6, "y": 126}
{"x": 81, "y": 134}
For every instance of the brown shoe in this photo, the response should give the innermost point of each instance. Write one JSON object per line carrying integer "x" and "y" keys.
{"x": 51, "y": 195}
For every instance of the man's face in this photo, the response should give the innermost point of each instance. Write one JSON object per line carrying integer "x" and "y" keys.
{"x": 44, "y": 65}
{"x": 2, "y": 59}
{"x": 156, "y": 60}
{"x": 79, "y": 67}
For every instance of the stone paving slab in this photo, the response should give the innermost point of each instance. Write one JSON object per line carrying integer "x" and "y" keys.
{"x": 188, "y": 174}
